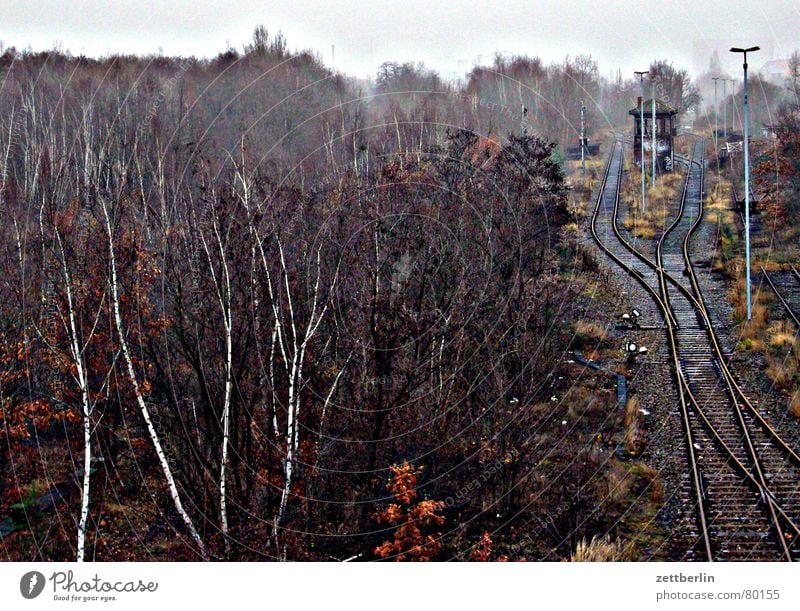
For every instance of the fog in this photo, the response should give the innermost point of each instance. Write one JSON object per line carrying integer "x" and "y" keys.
{"x": 450, "y": 36}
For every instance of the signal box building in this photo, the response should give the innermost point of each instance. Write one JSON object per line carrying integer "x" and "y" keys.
{"x": 665, "y": 134}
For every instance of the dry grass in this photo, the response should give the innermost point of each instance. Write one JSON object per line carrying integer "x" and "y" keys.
{"x": 654, "y": 482}
{"x": 589, "y": 337}
{"x": 758, "y": 321}
{"x": 601, "y": 549}
{"x": 634, "y": 435}
{"x": 618, "y": 484}
{"x": 578, "y": 205}
{"x": 770, "y": 265}
{"x": 718, "y": 200}
{"x": 718, "y": 209}
{"x": 591, "y": 329}
{"x": 737, "y": 296}
{"x": 779, "y": 373}
{"x": 642, "y": 228}
{"x": 794, "y": 405}
{"x": 781, "y": 334}
{"x": 582, "y": 187}
{"x": 783, "y": 363}
{"x": 661, "y": 199}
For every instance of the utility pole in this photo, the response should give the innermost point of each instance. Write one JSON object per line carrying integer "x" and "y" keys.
{"x": 724, "y": 109}
{"x": 746, "y": 127}
{"x": 734, "y": 111}
{"x": 583, "y": 138}
{"x": 733, "y": 104}
{"x": 716, "y": 126}
{"x": 641, "y": 128}
{"x": 653, "y": 128}
{"x": 524, "y": 119}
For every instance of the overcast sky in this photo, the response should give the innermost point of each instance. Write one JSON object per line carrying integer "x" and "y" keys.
{"x": 448, "y": 35}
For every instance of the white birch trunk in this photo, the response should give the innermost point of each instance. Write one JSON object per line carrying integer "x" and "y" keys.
{"x": 86, "y": 408}
{"x": 162, "y": 458}
{"x": 224, "y": 295}
{"x": 87, "y": 464}
{"x": 293, "y": 351}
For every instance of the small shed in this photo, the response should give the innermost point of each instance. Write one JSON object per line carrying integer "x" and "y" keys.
{"x": 665, "y": 133}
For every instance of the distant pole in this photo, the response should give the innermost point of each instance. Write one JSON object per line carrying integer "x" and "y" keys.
{"x": 735, "y": 111}
{"x": 583, "y": 138}
{"x": 746, "y": 128}
{"x": 641, "y": 128}
{"x": 724, "y": 109}
{"x": 653, "y": 129}
{"x": 733, "y": 104}
{"x": 716, "y": 126}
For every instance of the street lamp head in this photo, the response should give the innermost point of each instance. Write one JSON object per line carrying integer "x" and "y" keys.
{"x": 748, "y": 50}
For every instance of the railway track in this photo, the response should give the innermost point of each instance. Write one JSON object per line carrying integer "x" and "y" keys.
{"x": 753, "y": 206}
{"x": 786, "y": 286}
{"x": 742, "y": 474}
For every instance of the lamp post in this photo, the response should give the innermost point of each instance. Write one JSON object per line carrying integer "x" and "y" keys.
{"x": 746, "y": 128}
{"x": 641, "y": 128}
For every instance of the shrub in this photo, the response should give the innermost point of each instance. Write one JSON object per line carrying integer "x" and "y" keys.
{"x": 409, "y": 518}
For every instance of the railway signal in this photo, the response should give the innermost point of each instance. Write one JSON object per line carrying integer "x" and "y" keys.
{"x": 632, "y": 349}
{"x": 746, "y": 128}
{"x": 653, "y": 129}
{"x": 583, "y": 139}
{"x": 716, "y": 126}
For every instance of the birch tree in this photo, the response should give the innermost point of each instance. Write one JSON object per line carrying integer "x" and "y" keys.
{"x": 162, "y": 458}
{"x": 222, "y": 285}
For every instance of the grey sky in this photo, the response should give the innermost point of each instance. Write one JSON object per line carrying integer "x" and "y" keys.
{"x": 447, "y": 35}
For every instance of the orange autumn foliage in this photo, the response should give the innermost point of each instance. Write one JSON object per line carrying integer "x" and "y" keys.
{"x": 409, "y": 542}
{"x": 483, "y": 551}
